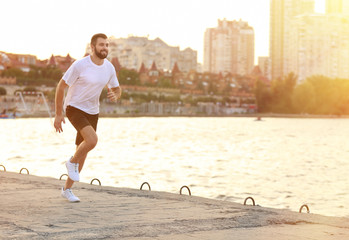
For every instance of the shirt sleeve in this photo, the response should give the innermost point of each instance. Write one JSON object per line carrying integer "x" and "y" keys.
{"x": 71, "y": 75}
{"x": 113, "y": 82}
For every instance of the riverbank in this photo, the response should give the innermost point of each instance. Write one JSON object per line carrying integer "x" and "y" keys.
{"x": 248, "y": 115}
{"x": 255, "y": 115}
{"x": 31, "y": 208}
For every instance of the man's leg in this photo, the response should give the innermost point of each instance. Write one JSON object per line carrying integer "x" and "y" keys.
{"x": 90, "y": 140}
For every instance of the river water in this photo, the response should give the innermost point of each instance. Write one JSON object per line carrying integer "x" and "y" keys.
{"x": 280, "y": 162}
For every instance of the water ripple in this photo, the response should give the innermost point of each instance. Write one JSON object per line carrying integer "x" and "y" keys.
{"x": 281, "y": 162}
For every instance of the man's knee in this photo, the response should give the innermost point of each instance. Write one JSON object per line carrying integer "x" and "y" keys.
{"x": 91, "y": 142}
{"x": 90, "y": 137}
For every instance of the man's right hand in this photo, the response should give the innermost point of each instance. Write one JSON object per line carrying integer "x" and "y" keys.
{"x": 58, "y": 123}
{"x": 59, "y": 118}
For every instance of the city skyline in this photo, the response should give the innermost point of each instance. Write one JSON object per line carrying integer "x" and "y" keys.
{"x": 54, "y": 27}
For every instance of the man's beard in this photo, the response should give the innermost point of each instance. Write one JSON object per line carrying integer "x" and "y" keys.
{"x": 102, "y": 55}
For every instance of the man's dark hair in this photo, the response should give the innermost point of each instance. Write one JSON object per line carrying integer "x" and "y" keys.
{"x": 96, "y": 36}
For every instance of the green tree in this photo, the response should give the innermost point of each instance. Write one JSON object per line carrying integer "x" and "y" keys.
{"x": 263, "y": 96}
{"x": 277, "y": 92}
{"x": 164, "y": 82}
{"x": 212, "y": 88}
{"x": 34, "y": 72}
{"x": 173, "y": 98}
{"x": 322, "y": 95}
{"x": 327, "y": 91}
{"x": 128, "y": 77}
{"x": 36, "y": 76}
{"x": 13, "y": 72}
{"x": 282, "y": 91}
{"x": 244, "y": 83}
{"x": 304, "y": 98}
{"x": 54, "y": 73}
{"x": 289, "y": 84}
{"x": 227, "y": 90}
{"x": 342, "y": 103}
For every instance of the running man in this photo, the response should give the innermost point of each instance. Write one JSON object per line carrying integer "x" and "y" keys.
{"x": 85, "y": 80}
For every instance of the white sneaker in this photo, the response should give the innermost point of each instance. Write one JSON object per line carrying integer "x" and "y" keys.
{"x": 68, "y": 194}
{"x": 73, "y": 170}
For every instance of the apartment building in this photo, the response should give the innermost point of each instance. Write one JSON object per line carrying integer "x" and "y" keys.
{"x": 281, "y": 14}
{"x": 320, "y": 46}
{"x": 229, "y": 48}
{"x": 21, "y": 61}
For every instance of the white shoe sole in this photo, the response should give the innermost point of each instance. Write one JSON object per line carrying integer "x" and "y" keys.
{"x": 72, "y": 201}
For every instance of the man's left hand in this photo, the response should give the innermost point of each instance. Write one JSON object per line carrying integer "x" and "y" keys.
{"x": 114, "y": 94}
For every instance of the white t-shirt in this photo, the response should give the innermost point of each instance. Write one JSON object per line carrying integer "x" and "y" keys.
{"x": 86, "y": 81}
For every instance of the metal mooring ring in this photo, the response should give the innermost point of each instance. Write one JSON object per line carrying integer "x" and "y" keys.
{"x": 180, "y": 191}
{"x": 304, "y": 206}
{"x": 63, "y": 175}
{"x": 254, "y": 203}
{"x": 145, "y": 183}
{"x": 24, "y": 169}
{"x": 96, "y": 180}
{"x": 3, "y": 167}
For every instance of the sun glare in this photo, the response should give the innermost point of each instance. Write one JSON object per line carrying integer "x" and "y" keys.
{"x": 320, "y": 6}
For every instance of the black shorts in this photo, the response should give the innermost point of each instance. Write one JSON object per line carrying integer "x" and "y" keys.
{"x": 79, "y": 119}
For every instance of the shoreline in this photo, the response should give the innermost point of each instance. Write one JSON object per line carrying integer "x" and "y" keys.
{"x": 32, "y": 208}
{"x": 255, "y": 115}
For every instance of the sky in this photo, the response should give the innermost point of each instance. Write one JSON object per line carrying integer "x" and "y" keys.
{"x": 59, "y": 27}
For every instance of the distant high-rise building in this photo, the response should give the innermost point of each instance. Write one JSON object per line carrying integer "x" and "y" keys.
{"x": 309, "y": 43}
{"x": 229, "y": 48}
{"x": 281, "y": 15}
{"x": 320, "y": 45}
{"x": 337, "y": 6}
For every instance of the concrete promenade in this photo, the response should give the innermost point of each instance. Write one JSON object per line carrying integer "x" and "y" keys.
{"x": 32, "y": 208}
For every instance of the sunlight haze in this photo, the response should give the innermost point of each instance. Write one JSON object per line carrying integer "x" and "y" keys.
{"x": 45, "y": 27}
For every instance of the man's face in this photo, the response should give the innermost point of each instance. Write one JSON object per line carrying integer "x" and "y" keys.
{"x": 102, "y": 48}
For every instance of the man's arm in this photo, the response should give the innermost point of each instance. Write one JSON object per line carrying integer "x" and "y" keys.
{"x": 114, "y": 93}
{"x": 59, "y": 118}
